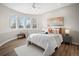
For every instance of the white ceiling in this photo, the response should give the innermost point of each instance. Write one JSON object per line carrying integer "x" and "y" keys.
{"x": 40, "y": 7}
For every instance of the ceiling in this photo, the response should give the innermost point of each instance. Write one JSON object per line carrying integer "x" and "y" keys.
{"x": 40, "y": 8}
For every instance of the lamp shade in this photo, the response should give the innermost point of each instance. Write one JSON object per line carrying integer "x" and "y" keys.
{"x": 67, "y": 31}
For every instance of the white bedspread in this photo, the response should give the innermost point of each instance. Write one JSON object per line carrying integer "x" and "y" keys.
{"x": 44, "y": 40}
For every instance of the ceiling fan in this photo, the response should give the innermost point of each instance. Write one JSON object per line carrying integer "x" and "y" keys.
{"x": 34, "y": 5}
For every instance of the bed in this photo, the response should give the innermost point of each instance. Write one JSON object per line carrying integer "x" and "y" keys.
{"x": 46, "y": 41}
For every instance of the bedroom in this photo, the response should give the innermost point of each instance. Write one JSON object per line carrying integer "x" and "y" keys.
{"x": 48, "y": 19}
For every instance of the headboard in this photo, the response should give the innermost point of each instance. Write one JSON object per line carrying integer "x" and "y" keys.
{"x": 56, "y": 30}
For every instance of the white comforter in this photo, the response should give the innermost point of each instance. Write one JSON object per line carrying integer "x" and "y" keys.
{"x": 47, "y": 41}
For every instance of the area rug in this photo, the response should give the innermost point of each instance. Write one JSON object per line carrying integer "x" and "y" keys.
{"x": 30, "y": 50}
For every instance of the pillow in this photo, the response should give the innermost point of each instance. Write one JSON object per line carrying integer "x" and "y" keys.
{"x": 56, "y": 31}
{"x": 62, "y": 31}
{"x": 46, "y": 32}
{"x": 50, "y": 30}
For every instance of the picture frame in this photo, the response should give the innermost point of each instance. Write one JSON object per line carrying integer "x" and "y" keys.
{"x": 56, "y": 21}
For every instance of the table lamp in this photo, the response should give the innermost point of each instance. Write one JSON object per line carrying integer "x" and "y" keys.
{"x": 67, "y": 31}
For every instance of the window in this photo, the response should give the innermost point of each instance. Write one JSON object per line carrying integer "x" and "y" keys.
{"x": 21, "y": 22}
{"x": 34, "y": 23}
{"x": 13, "y": 22}
{"x": 28, "y": 23}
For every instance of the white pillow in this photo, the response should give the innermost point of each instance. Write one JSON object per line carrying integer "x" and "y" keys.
{"x": 56, "y": 31}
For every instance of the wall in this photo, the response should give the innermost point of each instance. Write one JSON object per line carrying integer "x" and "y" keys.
{"x": 71, "y": 19}
{"x": 6, "y": 34}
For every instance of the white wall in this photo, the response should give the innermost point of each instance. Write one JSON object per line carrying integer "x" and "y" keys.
{"x": 7, "y": 36}
{"x": 71, "y": 19}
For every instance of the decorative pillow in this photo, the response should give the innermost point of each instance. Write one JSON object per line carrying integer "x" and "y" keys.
{"x": 50, "y": 30}
{"x": 56, "y": 31}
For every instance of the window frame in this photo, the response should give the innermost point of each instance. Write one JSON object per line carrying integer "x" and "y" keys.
{"x": 24, "y": 27}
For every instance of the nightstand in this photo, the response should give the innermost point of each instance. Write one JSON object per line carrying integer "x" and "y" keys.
{"x": 67, "y": 39}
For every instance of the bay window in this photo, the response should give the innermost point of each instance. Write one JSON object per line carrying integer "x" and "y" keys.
{"x": 23, "y": 22}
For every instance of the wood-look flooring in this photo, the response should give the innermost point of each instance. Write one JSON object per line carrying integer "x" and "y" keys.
{"x": 8, "y": 48}
{"x": 67, "y": 50}
{"x": 64, "y": 50}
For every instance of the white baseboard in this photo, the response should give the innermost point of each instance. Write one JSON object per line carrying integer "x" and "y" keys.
{"x": 7, "y": 41}
{"x": 75, "y": 43}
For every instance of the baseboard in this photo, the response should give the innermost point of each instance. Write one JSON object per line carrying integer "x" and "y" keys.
{"x": 75, "y": 43}
{"x": 7, "y": 41}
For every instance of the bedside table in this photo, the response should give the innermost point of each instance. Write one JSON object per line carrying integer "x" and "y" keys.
{"x": 67, "y": 39}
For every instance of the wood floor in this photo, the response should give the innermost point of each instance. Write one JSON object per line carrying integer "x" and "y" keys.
{"x": 67, "y": 50}
{"x": 64, "y": 50}
{"x": 8, "y": 48}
